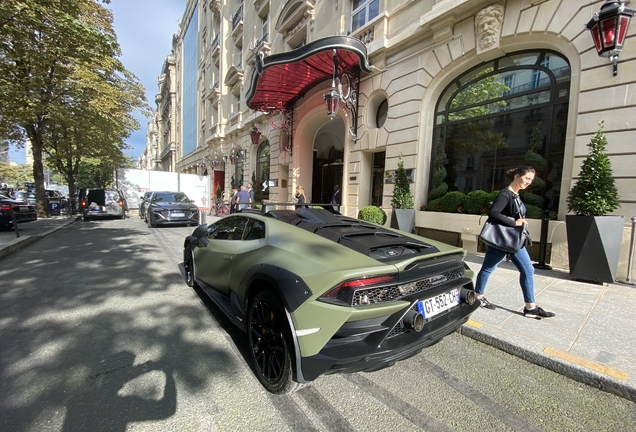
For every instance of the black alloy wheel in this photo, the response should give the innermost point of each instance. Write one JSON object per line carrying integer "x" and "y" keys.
{"x": 270, "y": 343}
{"x": 188, "y": 265}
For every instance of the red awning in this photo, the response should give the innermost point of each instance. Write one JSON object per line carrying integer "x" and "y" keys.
{"x": 279, "y": 80}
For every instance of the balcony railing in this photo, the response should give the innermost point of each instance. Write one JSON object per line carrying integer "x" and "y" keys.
{"x": 237, "y": 17}
{"x": 215, "y": 42}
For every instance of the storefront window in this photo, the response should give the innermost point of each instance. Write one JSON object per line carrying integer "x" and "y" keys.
{"x": 261, "y": 176}
{"x": 501, "y": 114}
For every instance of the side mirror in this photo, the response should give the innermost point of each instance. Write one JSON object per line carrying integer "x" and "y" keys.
{"x": 201, "y": 231}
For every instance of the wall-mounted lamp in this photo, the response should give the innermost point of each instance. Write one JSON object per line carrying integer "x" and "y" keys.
{"x": 609, "y": 28}
{"x": 233, "y": 159}
{"x": 334, "y": 96}
{"x": 255, "y": 135}
{"x": 349, "y": 99}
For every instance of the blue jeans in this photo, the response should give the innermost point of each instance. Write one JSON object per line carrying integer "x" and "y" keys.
{"x": 521, "y": 260}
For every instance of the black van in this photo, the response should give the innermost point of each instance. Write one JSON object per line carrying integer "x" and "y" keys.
{"x": 104, "y": 203}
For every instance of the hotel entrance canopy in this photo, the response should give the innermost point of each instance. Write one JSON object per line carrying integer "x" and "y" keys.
{"x": 279, "y": 80}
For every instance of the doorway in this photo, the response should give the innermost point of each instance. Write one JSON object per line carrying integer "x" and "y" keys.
{"x": 328, "y": 166}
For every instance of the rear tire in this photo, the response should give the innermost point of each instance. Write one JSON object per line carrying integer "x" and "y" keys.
{"x": 269, "y": 338}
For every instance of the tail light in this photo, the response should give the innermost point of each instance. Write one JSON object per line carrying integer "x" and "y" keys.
{"x": 343, "y": 293}
{"x": 5, "y": 207}
{"x": 121, "y": 203}
{"x": 83, "y": 203}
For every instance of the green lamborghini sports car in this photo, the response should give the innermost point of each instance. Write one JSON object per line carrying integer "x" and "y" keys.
{"x": 319, "y": 293}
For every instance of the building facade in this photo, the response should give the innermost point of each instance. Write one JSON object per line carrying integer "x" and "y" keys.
{"x": 472, "y": 86}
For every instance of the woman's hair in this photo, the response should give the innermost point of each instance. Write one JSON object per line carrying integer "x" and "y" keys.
{"x": 520, "y": 171}
{"x": 300, "y": 188}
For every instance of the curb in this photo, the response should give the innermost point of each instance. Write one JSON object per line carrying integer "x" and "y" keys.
{"x": 562, "y": 367}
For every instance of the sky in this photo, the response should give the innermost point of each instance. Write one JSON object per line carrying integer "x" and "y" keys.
{"x": 144, "y": 31}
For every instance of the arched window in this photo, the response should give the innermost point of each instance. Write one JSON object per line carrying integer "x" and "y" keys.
{"x": 261, "y": 180}
{"x": 239, "y": 168}
{"x": 508, "y": 112}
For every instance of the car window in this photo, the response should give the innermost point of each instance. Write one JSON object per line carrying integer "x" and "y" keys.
{"x": 178, "y": 197}
{"x": 255, "y": 230}
{"x": 112, "y": 195}
{"x": 231, "y": 228}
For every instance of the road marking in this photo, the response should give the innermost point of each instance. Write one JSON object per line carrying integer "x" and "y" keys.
{"x": 587, "y": 364}
{"x": 474, "y": 323}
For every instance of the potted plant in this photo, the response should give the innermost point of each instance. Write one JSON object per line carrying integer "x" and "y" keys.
{"x": 594, "y": 238}
{"x": 403, "y": 208}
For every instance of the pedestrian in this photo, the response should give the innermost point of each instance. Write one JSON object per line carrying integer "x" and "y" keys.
{"x": 300, "y": 196}
{"x": 233, "y": 200}
{"x": 251, "y": 191}
{"x": 243, "y": 199}
{"x": 336, "y": 198}
{"x": 507, "y": 209}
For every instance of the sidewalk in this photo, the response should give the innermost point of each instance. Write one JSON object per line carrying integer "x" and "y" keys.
{"x": 30, "y": 232}
{"x": 592, "y": 339}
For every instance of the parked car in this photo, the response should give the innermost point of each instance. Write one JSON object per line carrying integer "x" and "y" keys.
{"x": 170, "y": 208}
{"x": 25, "y": 196}
{"x": 143, "y": 203}
{"x": 104, "y": 203}
{"x": 318, "y": 293}
{"x": 23, "y": 212}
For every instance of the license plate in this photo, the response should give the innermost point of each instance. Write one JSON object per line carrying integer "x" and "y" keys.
{"x": 178, "y": 214}
{"x": 24, "y": 208}
{"x": 438, "y": 304}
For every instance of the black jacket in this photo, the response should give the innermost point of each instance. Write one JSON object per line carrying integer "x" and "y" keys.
{"x": 504, "y": 210}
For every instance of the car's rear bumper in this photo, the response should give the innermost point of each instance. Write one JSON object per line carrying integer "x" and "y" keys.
{"x": 378, "y": 349}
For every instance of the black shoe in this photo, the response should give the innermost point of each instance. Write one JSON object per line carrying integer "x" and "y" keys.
{"x": 537, "y": 312}
{"x": 486, "y": 304}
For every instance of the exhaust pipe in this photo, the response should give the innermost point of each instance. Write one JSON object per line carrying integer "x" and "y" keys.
{"x": 467, "y": 296}
{"x": 413, "y": 320}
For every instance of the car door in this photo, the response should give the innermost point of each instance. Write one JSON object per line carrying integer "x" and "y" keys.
{"x": 249, "y": 251}
{"x": 214, "y": 262}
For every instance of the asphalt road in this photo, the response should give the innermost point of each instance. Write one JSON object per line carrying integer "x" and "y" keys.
{"x": 98, "y": 332}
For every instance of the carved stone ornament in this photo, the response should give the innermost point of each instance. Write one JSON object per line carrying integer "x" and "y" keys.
{"x": 215, "y": 6}
{"x": 488, "y": 25}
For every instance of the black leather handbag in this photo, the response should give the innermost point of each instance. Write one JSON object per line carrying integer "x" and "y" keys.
{"x": 506, "y": 238}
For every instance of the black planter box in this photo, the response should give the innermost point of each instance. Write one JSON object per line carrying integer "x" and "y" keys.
{"x": 594, "y": 244}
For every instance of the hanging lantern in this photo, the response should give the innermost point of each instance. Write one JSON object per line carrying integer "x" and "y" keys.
{"x": 255, "y": 135}
{"x": 609, "y": 29}
{"x": 233, "y": 159}
{"x": 216, "y": 163}
{"x": 332, "y": 99}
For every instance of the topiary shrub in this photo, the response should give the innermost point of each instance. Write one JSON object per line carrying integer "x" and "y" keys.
{"x": 595, "y": 193}
{"x": 478, "y": 202}
{"x": 433, "y": 205}
{"x": 453, "y": 202}
{"x": 372, "y": 214}
{"x": 402, "y": 197}
{"x": 531, "y": 198}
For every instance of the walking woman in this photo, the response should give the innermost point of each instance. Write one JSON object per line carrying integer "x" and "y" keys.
{"x": 300, "y": 195}
{"x": 508, "y": 209}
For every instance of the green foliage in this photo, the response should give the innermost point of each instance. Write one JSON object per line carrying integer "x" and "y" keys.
{"x": 531, "y": 198}
{"x": 64, "y": 87}
{"x": 595, "y": 193}
{"x": 15, "y": 175}
{"x": 453, "y": 202}
{"x": 402, "y": 197}
{"x": 477, "y": 202}
{"x": 372, "y": 214}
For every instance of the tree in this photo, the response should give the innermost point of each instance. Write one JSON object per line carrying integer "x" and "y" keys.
{"x": 595, "y": 193}
{"x": 402, "y": 197}
{"x": 65, "y": 89}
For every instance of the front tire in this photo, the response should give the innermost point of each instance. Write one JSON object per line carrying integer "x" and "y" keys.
{"x": 188, "y": 265}
{"x": 270, "y": 344}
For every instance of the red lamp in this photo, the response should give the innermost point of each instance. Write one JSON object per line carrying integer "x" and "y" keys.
{"x": 609, "y": 29}
{"x": 332, "y": 99}
{"x": 255, "y": 135}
